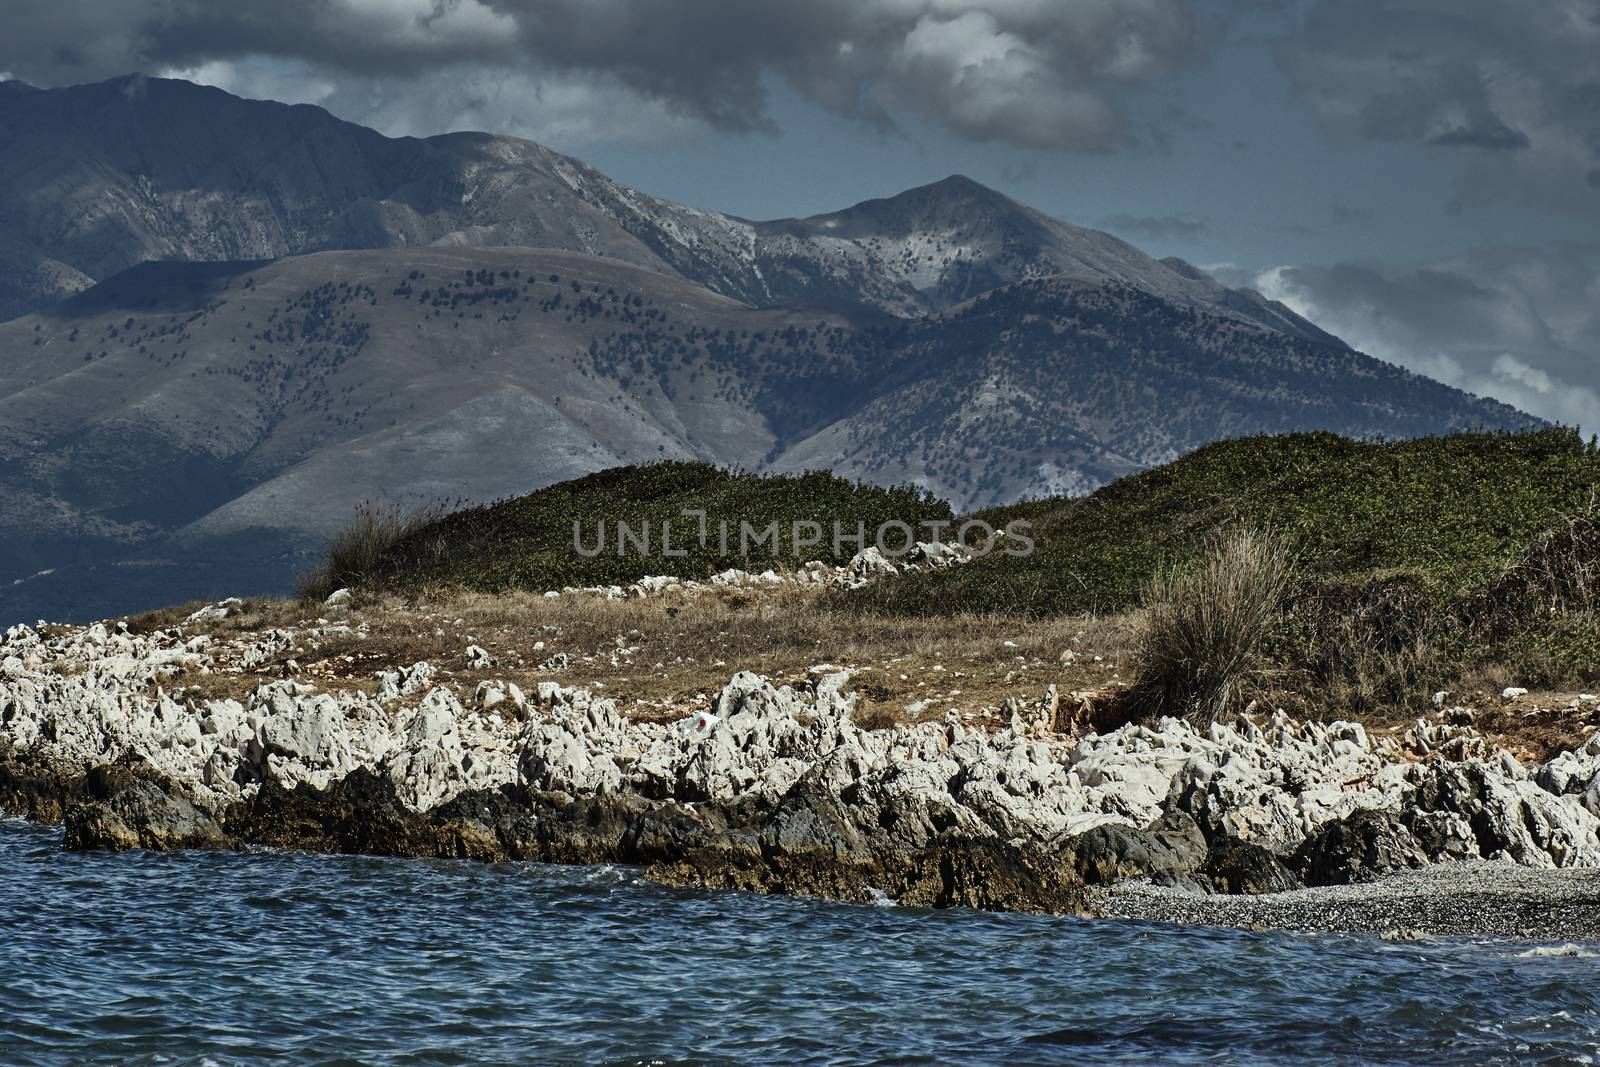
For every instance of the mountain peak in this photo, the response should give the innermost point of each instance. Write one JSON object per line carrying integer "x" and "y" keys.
{"x": 959, "y": 182}
{"x": 1185, "y": 268}
{"x": 957, "y": 187}
{"x": 239, "y": 179}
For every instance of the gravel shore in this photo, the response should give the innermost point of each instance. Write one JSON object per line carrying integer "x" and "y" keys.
{"x": 1484, "y": 899}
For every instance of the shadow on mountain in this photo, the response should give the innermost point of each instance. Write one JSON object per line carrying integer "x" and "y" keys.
{"x": 160, "y": 285}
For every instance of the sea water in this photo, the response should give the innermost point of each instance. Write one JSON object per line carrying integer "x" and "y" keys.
{"x": 220, "y": 958}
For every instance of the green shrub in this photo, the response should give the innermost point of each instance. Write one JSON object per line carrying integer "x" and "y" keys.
{"x": 1453, "y": 511}
{"x": 1364, "y": 644}
{"x": 527, "y": 542}
{"x": 1387, "y": 640}
{"x": 1205, "y": 626}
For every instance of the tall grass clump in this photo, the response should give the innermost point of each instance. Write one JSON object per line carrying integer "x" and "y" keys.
{"x": 354, "y": 553}
{"x": 1205, "y": 626}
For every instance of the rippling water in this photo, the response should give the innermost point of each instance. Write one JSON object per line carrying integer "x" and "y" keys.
{"x": 217, "y": 958}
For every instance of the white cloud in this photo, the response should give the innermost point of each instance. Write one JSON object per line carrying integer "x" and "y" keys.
{"x": 1514, "y": 371}
{"x": 567, "y": 111}
{"x": 1520, "y": 325}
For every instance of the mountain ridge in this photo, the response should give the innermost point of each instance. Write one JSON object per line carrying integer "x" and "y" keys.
{"x": 237, "y": 412}
{"x": 127, "y": 170}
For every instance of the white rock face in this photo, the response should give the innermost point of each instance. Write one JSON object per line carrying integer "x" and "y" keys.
{"x": 865, "y": 567}
{"x": 95, "y": 695}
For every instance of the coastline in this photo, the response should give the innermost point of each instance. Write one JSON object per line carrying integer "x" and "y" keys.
{"x": 1262, "y": 821}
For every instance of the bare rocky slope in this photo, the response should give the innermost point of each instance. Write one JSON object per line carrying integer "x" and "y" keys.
{"x": 190, "y": 430}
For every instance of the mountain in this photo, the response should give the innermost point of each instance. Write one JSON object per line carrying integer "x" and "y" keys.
{"x": 192, "y": 429}
{"x": 1059, "y": 385}
{"x": 98, "y": 178}
{"x": 237, "y": 319}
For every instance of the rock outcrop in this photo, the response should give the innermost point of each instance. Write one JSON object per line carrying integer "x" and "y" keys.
{"x": 774, "y": 788}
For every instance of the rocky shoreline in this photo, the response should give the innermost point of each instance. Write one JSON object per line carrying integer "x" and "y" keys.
{"x": 776, "y": 788}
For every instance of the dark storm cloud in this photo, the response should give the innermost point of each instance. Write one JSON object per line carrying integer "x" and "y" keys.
{"x": 1493, "y": 136}
{"x": 54, "y": 42}
{"x": 1158, "y": 227}
{"x": 1519, "y": 324}
{"x": 1517, "y": 79}
{"x": 1030, "y": 72}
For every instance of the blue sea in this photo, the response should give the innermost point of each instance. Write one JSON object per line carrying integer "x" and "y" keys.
{"x": 265, "y": 957}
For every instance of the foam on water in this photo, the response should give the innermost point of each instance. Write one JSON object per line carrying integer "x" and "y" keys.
{"x": 237, "y": 958}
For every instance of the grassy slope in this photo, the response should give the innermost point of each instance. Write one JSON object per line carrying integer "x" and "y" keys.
{"x": 1421, "y": 564}
{"x": 526, "y": 542}
{"x": 1452, "y": 511}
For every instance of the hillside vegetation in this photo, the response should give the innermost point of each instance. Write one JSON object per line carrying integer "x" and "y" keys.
{"x": 1325, "y": 575}
{"x": 528, "y": 542}
{"x": 1416, "y": 565}
{"x": 1447, "y": 514}
{"x": 1451, "y": 512}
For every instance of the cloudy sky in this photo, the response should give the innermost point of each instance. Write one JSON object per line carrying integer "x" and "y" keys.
{"x": 1422, "y": 177}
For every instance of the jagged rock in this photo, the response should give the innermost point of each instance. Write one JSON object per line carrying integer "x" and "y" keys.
{"x": 870, "y": 562}
{"x": 32, "y": 792}
{"x": 493, "y": 694}
{"x": 431, "y": 765}
{"x": 123, "y": 810}
{"x": 1167, "y": 854}
{"x": 1360, "y": 846}
{"x": 1235, "y": 866}
{"x": 302, "y": 737}
{"x": 210, "y": 613}
{"x": 1575, "y": 774}
{"x": 402, "y": 683}
{"x": 771, "y": 787}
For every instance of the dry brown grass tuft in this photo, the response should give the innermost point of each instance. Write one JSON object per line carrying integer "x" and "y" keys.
{"x": 254, "y": 614}
{"x": 355, "y": 553}
{"x": 1201, "y": 638}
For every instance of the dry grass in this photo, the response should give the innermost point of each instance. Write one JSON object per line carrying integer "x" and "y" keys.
{"x": 253, "y": 615}
{"x": 662, "y": 657}
{"x": 1199, "y": 644}
{"x": 1560, "y": 571}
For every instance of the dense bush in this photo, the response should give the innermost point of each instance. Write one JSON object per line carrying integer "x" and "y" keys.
{"x": 527, "y": 542}
{"x": 1453, "y": 512}
{"x": 356, "y": 552}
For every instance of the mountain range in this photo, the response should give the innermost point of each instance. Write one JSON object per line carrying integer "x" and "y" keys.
{"x": 232, "y": 320}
